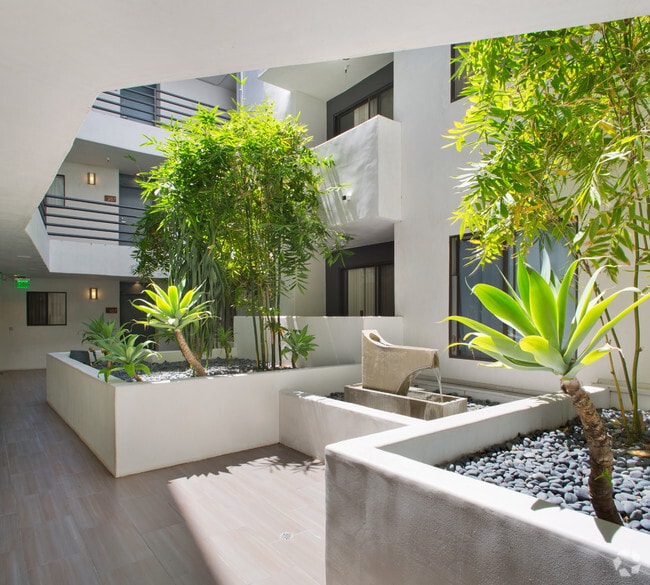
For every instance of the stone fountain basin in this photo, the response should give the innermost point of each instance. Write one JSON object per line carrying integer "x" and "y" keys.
{"x": 416, "y": 404}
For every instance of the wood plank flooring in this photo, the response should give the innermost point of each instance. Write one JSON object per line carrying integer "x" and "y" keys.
{"x": 254, "y": 518}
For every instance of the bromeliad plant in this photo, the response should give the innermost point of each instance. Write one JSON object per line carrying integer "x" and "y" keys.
{"x": 553, "y": 337}
{"x": 125, "y": 353}
{"x": 172, "y": 311}
{"x": 299, "y": 343}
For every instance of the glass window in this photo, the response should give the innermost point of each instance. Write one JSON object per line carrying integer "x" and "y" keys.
{"x": 463, "y": 276}
{"x": 55, "y": 195}
{"x": 139, "y": 103}
{"x": 369, "y": 290}
{"x": 46, "y": 308}
{"x": 380, "y": 103}
{"x": 458, "y": 81}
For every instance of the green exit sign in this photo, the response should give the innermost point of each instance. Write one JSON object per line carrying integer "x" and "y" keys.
{"x": 22, "y": 283}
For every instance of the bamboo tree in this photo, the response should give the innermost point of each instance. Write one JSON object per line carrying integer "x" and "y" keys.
{"x": 557, "y": 124}
{"x": 236, "y": 203}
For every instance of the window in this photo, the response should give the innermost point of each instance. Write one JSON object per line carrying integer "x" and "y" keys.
{"x": 464, "y": 276}
{"x": 55, "y": 195}
{"x": 46, "y": 308}
{"x": 139, "y": 103}
{"x": 379, "y": 103}
{"x": 363, "y": 284}
{"x": 369, "y": 290}
{"x": 461, "y": 301}
{"x": 370, "y": 97}
{"x": 458, "y": 82}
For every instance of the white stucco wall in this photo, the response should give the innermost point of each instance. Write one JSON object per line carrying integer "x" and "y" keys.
{"x": 23, "y": 347}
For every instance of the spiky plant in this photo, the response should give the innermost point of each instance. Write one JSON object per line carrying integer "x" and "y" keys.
{"x": 539, "y": 314}
{"x": 127, "y": 354}
{"x": 173, "y": 310}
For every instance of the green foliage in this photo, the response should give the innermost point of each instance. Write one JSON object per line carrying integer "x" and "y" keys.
{"x": 125, "y": 353}
{"x": 235, "y": 205}
{"x": 559, "y": 121}
{"x": 557, "y": 124}
{"x": 538, "y": 315}
{"x": 172, "y": 311}
{"x": 225, "y": 338}
{"x": 99, "y": 331}
{"x": 299, "y": 343}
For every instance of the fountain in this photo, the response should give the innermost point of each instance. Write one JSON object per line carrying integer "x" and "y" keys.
{"x": 387, "y": 373}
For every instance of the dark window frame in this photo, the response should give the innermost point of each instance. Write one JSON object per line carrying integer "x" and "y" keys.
{"x": 374, "y": 83}
{"x": 37, "y": 309}
{"x": 138, "y": 105}
{"x": 52, "y": 198}
{"x": 361, "y": 257}
{"x": 457, "y": 82}
{"x": 457, "y": 331}
{"x": 507, "y": 265}
{"x": 376, "y": 94}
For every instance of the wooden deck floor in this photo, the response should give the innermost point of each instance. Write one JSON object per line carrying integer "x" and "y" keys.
{"x": 255, "y": 517}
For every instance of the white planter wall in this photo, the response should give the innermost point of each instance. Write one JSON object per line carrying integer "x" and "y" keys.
{"x": 414, "y": 524}
{"x": 136, "y": 427}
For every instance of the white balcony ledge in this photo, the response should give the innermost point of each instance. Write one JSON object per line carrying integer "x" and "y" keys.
{"x": 368, "y": 169}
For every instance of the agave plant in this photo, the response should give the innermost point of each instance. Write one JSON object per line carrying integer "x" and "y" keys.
{"x": 98, "y": 332}
{"x": 299, "y": 344}
{"x": 127, "y": 354}
{"x": 172, "y": 311}
{"x": 553, "y": 337}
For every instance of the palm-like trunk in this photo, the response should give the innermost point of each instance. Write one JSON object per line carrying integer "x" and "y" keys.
{"x": 600, "y": 452}
{"x": 187, "y": 353}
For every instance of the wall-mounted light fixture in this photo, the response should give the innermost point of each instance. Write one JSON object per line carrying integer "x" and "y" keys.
{"x": 92, "y": 294}
{"x": 91, "y": 179}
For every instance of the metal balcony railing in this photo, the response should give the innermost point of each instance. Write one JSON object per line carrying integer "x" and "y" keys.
{"x": 148, "y": 105}
{"x": 72, "y": 217}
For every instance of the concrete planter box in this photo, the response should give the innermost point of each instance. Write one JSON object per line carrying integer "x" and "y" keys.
{"x": 309, "y": 422}
{"x": 416, "y": 524}
{"x": 136, "y": 427}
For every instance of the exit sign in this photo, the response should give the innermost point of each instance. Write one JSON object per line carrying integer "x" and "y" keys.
{"x": 22, "y": 282}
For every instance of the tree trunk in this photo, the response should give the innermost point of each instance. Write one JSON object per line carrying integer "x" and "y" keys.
{"x": 189, "y": 356}
{"x": 600, "y": 452}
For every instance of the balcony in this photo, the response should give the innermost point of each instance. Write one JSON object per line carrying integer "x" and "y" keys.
{"x": 364, "y": 185}
{"x": 147, "y": 105}
{"x": 83, "y": 236}
{"x": 73, "y": 217}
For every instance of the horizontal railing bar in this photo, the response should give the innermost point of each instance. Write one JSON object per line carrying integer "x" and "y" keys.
{"x": 84, "y": 236}
{"x": 89, "y": 219}
{"x": 90, "y": 201}
{"x": 84, "y": 227}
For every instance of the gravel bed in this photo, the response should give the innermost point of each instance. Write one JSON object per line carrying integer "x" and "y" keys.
{"x": 180, "y": 370}
{"x": 554, "y": 466}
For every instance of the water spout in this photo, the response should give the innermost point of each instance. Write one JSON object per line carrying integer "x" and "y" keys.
{"x": 436, "y": 371}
